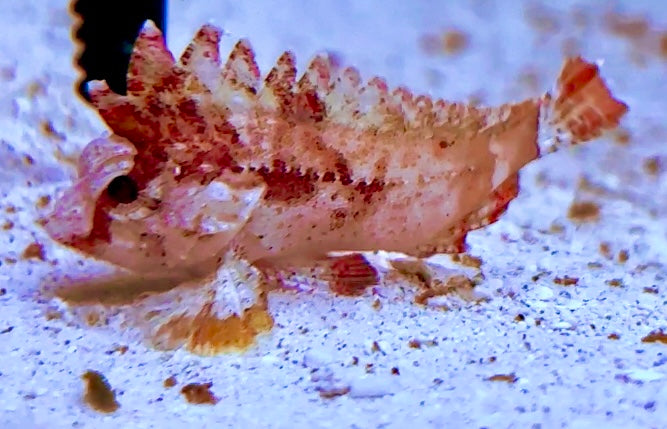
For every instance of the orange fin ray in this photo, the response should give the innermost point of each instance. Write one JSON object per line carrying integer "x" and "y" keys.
{"x": 351, "y": 274}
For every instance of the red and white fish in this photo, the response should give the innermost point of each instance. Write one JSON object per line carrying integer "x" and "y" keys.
{"x": 210, "y": 167}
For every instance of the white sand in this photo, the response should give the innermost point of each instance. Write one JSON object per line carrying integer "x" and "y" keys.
{"x": 570, "y": 374}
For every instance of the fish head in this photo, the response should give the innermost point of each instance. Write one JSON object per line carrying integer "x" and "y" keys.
{"x": 163, "y": 192}
{"x": 147, "y": 215}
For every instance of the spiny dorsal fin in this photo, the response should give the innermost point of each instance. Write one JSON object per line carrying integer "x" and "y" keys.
{"x": 343, "y": 99}
{"x": 241, "y": 71}
{"x": 150, "y": 60}
{"x": 120, "y": 113}
{"x": 205, "y": 45}
{"x": 279, "y": 83}
{"x": 317, "y": 76}
{"x": 312, "y": 89}
{"x": 382, "y": 110}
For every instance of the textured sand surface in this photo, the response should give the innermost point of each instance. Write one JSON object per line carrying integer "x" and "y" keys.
{"x": 576, "y": 351}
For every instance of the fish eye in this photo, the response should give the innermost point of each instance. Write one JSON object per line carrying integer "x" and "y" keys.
{"x": 123, "y": 190}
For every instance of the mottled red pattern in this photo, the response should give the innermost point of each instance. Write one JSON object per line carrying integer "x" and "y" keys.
{"x": 287, "y": 186}
{"x": 307, "y": 105}
{"x": 367, "y": 190}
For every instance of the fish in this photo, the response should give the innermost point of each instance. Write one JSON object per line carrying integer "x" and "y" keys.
{"x": 208, "y": 166}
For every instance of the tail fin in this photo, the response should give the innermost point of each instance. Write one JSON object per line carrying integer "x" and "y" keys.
{"x": 583, "y": 107}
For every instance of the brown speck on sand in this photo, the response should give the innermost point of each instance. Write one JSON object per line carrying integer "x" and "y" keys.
{"x": 556, "y": 228}
{"x": 415, "y": 344}
{"x": 170, "y": 382}
{"x": 614, "y": 282}
{"x": 47, "y": 129}
{"x": 121, "y": 349}
{"x": 458, "y": 284}
{"x": 644, "y": 36}
{"x": 605, "y": 249}
{"x": 663, "y": 45}
{"x": 8, "y": 225}
{"x": 657, "y": 336}
{"x": 622, "y": 256}
{"x": 652, "y": 166}
{"x": 507, "y": 378}
{"x": 43, "y": 201}
{"x": 94, "y": 318}
{"x": 53, "y": 314}
{"x": 35, "y": 89}
{"x": 583, "y": 211}
{"x": 566, "y": 281}
{"x": 613, "y": 336}
{"x": 34, "y": 251}
{"x": 467, "y": 260}
{"x": 332, "y": 392}
{"x": 621, "y": 136}
{"x": 199, "y": 393}
{"x": 449, "y": 42}
{"x": 98, "y": 393}
{"x": 652, "y": 290}
{"x": 414, "y": 269}
{"x": 628, "y": 26}
{"x": 454, "y": 41}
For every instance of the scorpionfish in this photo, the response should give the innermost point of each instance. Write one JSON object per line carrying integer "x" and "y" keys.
{"x": 212, "y": 171}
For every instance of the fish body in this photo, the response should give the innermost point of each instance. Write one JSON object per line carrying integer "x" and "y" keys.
{"x": 204, "y": 157}
{"x": 207, "y": 160}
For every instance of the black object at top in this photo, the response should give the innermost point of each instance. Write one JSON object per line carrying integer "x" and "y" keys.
{"x": 108, "y": 31}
